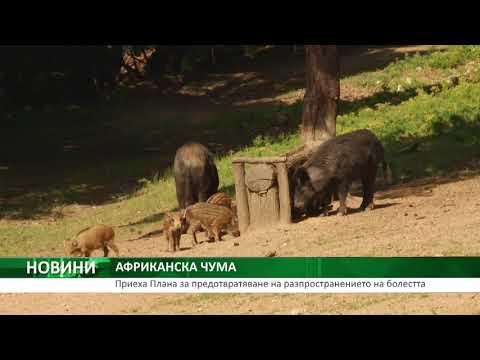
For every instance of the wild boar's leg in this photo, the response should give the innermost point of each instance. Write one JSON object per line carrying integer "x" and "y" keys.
{"x": 368, "y": 183}
{"x": 178, "y": 235}
{"x": 343, "y": 188}
{"x": 194, "y": 234}
{"x": 105, "y": 251}
{"x": 172, "y": 240}
{"x": 325, "y": 205}
{"x": 171, "y": 245}
{"x": 210, "y": 229}
{"x": 217, "y": 233}
{"x": 114, "y": 248}
{"x": 209, "y": 235}
{"x": 180, "y": 188}
{"x": 193, "y": 196}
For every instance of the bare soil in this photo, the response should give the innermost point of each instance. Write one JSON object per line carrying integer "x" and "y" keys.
{"x": 433, "y": 217}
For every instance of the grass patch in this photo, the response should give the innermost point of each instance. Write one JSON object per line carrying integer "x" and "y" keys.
{"x": 447, "y": 126}
{"x": 417, "y": 70}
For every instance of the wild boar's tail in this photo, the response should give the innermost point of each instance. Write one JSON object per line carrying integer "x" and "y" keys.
{"x": 387, "y": 173}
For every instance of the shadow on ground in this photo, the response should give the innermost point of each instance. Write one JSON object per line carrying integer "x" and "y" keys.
{"x": 96, "y": 155}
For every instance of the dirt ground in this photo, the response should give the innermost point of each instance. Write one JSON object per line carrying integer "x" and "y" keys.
{"x": 432, "y": 217}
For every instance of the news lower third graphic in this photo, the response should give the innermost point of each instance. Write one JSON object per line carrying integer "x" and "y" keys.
{"x": 241, "y": 275}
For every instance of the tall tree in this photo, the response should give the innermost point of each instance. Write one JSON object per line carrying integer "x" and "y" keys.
{"x": 322, "y": 94}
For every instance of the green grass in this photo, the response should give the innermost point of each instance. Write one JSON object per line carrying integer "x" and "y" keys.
{"x": 410, "y": 72}
{"x": 446, "y": 124}
{"x": 445, "y": 121}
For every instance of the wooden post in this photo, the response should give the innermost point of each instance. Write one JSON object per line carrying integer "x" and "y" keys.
{"x": 284, "y": 193}
{"x": 241, "y": 197}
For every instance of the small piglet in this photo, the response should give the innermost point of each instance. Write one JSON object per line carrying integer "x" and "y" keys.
{"x": 91, "y": 239}
{"x": 173, "y": 226}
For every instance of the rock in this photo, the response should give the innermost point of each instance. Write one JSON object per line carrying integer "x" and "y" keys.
{"x": 271, "y": 254}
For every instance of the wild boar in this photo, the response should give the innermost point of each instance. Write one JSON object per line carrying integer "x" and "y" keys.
{"x": 221, "y": 199}
{"x": 334, "y": 166}
{"x": 213, "y": 218}
{"x": 195, "y": 173}
{"x": 90, "y": 239}
{"x": 174, "y": 225}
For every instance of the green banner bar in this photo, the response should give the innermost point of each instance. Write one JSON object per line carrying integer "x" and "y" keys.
{"x": 328, "y": 267}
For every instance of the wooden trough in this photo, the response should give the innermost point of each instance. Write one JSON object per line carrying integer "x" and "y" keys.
{"x": 262, "y": 189}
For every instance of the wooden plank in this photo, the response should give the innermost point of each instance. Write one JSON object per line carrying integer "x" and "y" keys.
{"x": 241, "y": 197}
{"x": 259, "y": 160}
{"x": 264, "y": 209}
{"x": 284, "y": 194}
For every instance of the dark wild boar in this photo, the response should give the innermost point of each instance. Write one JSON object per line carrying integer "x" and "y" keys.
{"x": 334, "y": 166}
{"x": 90, "y": 239}
{"x": 196, "y": 175}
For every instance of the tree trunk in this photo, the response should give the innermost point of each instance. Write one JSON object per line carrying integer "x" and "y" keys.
{"x": 322, "y": 94}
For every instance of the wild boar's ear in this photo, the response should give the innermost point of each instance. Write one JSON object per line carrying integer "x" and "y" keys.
{"x": 301, "y": 176}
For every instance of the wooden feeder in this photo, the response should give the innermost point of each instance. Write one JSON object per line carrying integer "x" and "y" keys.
{"x": 262, "y": 189}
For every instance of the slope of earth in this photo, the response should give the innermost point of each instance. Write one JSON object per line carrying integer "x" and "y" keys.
{"x": 432, "y": 217}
